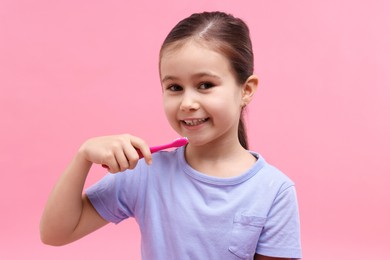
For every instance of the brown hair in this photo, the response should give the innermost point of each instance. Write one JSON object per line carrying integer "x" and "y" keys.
{"x": 226, "y": 34}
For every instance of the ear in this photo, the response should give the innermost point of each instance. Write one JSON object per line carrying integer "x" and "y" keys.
{"x": 248, "y": 89}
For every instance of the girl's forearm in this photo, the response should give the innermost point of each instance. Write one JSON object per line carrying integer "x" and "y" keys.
{"x": 64, "y": 206}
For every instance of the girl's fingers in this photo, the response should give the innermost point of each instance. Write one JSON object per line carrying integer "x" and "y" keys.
{"x": 112, "y": 165}
{"x": 131, "y": 155}
{"x": 128, "y": 152}
{"x": 143, "y": 148}
{"x": 116, "y": 153}
{"x": 114, "y": 159}
{"x": 122, "y": 161}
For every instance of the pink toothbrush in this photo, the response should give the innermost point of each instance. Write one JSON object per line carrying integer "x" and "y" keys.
{"x": 176, "y": 143}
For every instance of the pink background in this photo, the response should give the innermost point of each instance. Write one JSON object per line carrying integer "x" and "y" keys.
{"x": 70, "y": 70}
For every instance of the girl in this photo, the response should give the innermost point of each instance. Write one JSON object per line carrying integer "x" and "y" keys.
{"x": 212, "y": 199}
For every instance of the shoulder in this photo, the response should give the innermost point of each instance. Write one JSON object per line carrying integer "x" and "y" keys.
{"x": 271, "y": 175}
{"x": 277, "y": 176}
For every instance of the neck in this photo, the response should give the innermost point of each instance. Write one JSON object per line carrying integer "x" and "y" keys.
{"x": 220, "y": 159}
{"x": 214, "y": 151}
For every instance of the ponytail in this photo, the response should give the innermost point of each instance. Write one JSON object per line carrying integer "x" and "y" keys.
{"x": 242, "y": 136}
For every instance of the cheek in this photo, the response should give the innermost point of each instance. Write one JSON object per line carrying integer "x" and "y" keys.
{"x": 228, "y": 114}
{"x": 169, "y": 108}
{"x": 225, "y": 105}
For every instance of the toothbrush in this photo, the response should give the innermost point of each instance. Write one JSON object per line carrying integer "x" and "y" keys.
{"x": 176, "y": 143}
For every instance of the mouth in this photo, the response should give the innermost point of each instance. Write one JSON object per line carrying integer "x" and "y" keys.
{"x": 194, "y": 122}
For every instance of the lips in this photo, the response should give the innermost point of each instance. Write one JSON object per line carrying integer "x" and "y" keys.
{"x": 194, "y": 122}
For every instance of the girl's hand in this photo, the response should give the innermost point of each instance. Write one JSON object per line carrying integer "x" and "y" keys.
{"x": 117, "y": 152}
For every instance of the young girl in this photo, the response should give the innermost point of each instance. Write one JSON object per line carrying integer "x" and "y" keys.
{"x": 212, "y": 199}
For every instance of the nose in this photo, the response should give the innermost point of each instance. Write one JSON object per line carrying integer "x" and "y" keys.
{"x": 189, "y": 102}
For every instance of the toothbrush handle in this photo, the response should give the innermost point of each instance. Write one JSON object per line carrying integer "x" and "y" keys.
{"x": 156, "y": 148}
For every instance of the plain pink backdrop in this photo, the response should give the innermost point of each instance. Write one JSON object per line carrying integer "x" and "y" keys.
{"x": 70, "y": 70}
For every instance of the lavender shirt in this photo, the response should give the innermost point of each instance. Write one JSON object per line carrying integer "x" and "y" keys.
{"x": 185, "y": 214}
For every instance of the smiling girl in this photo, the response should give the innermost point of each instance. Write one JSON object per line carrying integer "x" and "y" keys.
{"x": 213, "y": 198}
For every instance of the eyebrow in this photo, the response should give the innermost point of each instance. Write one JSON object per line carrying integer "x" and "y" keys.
{"x": 197, "y": 75}
{"x": 166, "y": 78}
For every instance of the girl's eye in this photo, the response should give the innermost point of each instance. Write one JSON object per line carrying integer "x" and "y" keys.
{"x": 206, "y": 85}
{"x": 174, "y": 88}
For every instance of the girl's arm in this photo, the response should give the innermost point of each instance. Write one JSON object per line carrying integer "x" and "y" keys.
{"x": 68, "y": 214}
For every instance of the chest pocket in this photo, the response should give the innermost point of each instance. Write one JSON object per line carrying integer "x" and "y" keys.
{"x": 245, "y": 235}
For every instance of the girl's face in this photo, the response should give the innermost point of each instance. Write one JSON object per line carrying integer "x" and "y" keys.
{"x": 201, "y": 97}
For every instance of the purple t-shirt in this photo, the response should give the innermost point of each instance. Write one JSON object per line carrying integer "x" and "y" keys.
{"x": 185, "y": 214}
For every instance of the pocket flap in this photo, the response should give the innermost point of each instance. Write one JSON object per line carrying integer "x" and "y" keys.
{"x": 249, "y": 220}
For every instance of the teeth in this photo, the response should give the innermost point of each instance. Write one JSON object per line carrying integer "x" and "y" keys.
{"x": 195, "y": 121}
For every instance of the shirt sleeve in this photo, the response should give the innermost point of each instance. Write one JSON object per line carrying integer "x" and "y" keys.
{"x": 115, "y": 195}
{"x": 281, "y": 233}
